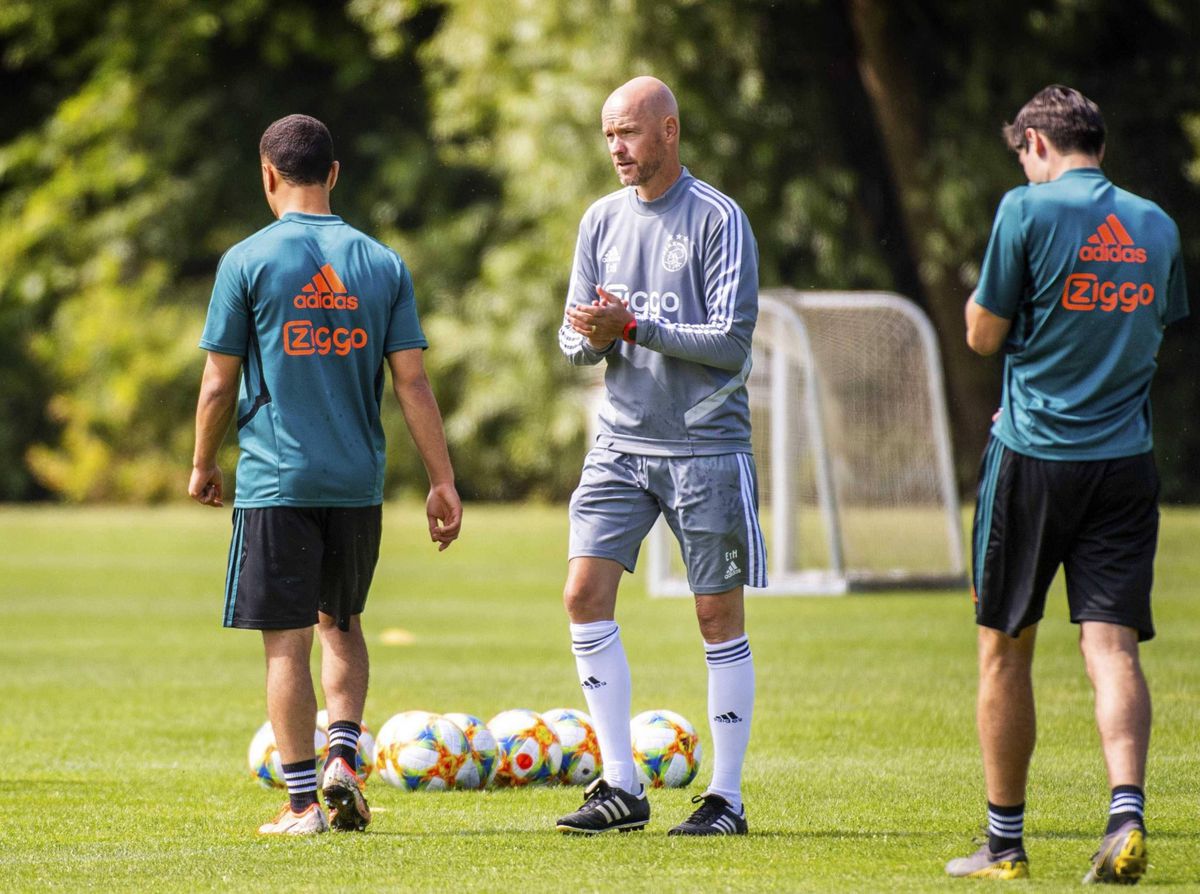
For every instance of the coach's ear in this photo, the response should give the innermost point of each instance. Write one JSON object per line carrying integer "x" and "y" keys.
{"x": 331, "y": 180}
{"x": 671, "y": 128}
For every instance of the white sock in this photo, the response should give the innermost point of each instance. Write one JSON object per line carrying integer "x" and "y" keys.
{"x": 604, "y": 676}
{"x": 730, "y": 708}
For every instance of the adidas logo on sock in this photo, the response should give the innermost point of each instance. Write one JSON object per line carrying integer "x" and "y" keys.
{"x": 592, "y": 683}
{"x": 732, "y": 570}
{"x": 728, "y": 717}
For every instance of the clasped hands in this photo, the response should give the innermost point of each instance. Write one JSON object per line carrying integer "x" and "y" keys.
{"x": 603, "y": 321}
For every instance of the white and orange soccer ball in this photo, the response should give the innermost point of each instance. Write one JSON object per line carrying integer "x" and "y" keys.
{"x": 365, "y": 760}
{"x": 580, "y": 749}
{"x": 479, "y": 771}
{"x": 417, "y": 750}
{"x": 529, "y": 750}
{"x": 267, "y": 765}
{"x": 666, "y": 749}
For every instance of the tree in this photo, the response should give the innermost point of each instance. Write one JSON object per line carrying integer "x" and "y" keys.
{"x": 861, "y": 137}
{"x": 135, "y": 167}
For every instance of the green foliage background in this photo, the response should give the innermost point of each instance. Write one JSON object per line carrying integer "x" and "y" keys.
{"x": 860, "y": 136}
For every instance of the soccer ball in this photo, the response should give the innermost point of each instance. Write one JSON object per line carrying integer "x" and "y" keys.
{"x": 666, "y": 749}
{"x": 529, "y": 751}
{"x": 580, "y": 750}
{"x": 479, "y": 771}
{"x": 265, "y": 762}
{"x": 417, "y": 750}
{"x": 365, "y": 759}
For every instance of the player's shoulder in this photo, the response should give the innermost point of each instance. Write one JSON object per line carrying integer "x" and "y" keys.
{"x": 606, "y": 206}
{"x": 252, "y": 244}
{"x": 1148, "y": 211}
{"x": 1013, "y": 201}
{"x": 378, "y": 250}
{"x": 707, "y": 200}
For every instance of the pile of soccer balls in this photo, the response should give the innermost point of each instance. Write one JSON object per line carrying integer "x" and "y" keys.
{"x": 422, "y": 751}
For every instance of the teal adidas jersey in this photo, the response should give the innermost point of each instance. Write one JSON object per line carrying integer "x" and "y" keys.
{"x": 312, "y": 306}
{"x": 1089, "y": 275}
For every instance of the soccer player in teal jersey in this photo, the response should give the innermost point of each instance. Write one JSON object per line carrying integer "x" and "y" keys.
{"x": 307, "y": 313}
{"x": 1079, "y": 280}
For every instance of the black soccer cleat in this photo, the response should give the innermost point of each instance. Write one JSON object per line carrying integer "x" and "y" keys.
{"x": 606, "y": 809}
{"x": 714, "y": 816}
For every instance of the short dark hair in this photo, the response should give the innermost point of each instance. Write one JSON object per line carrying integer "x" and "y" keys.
{"x": 300, "y": 147}
{"x": 1066, "y": 117}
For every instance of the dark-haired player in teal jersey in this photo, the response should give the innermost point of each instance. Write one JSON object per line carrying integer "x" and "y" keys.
{"x": 1079, "y": 280}
{"x": 307, "y": 313}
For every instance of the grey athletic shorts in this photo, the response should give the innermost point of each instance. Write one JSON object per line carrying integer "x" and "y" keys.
{"x": 710, "y": 502}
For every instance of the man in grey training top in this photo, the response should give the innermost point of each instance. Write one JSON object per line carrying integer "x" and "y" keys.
{"x": 664, "y": 290}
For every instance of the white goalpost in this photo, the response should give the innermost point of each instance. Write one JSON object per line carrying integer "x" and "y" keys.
{"x": 852, "y": 445}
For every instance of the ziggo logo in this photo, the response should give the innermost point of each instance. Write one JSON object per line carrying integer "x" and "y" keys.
{"x": 1084, "y": 291}
{"x": 642, "y": 302}
{"x": 301, "y": 339}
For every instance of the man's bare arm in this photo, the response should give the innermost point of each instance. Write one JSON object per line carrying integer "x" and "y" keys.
{"x": 986, "y": 331}
{"x": 214, "y": 410}
{"x": 443, "y": 508}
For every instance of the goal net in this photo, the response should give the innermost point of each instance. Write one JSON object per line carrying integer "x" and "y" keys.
{"x": 856, "y": 480}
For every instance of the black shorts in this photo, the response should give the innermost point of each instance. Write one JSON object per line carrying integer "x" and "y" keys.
{"x": 1098, "y": 519}
{"x": 286, "y": 563}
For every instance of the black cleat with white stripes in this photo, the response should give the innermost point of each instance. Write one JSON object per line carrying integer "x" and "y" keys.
{"x": 714, "y": 816}
{"x": 607, "y": 809}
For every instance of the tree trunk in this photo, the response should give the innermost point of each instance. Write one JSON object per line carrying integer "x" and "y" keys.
{"x": 971, "y": 381}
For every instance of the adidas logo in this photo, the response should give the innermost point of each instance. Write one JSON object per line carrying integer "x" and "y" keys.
{"x": 1112, "y": 242}
{"x": 732, "y": 570}
{"x": 611, "y": 258}
{"x": 728, "y": 717}
{"x": 592, "y": 683}
{"x": 326, "y": 290}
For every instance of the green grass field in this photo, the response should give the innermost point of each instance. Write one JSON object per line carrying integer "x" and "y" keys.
{"x": 127, "y": 712}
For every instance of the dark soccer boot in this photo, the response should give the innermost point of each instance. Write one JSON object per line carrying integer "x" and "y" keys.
{"x": 714, "y": 816}
{"x": 606, "y": 809}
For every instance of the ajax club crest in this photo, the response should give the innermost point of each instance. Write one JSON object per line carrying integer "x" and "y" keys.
{"x": 675, "y": 255}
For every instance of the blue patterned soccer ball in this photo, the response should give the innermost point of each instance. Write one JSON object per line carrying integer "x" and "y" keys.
{"x": 666, "y": 749}
{"x": 418, "y": 751}
{"x": 581, "y": 751}
{"x": 265, "y": 762}
{"x": 479, "y": 771}
{"x": 529, "y": 751}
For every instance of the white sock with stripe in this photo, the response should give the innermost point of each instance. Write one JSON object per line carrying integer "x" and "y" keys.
{"x": 604, "y": 676}
{"x": 730, "y": 709}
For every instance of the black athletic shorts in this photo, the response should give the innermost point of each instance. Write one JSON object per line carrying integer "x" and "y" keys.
{"x": 288, "y": 562}
{"x": 1098, "y": 519}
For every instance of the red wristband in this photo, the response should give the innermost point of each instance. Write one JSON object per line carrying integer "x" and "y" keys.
{"x": 629, "y": 333}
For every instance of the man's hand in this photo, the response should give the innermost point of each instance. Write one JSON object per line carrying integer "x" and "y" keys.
{"x": 206, "y": 486}
{"x": 443, "y": 509}
{"x": 602, "y": 321}
{"x": 214, "y": 410}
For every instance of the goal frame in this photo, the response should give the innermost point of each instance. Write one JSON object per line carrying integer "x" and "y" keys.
{"x": 784, "y": 579}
